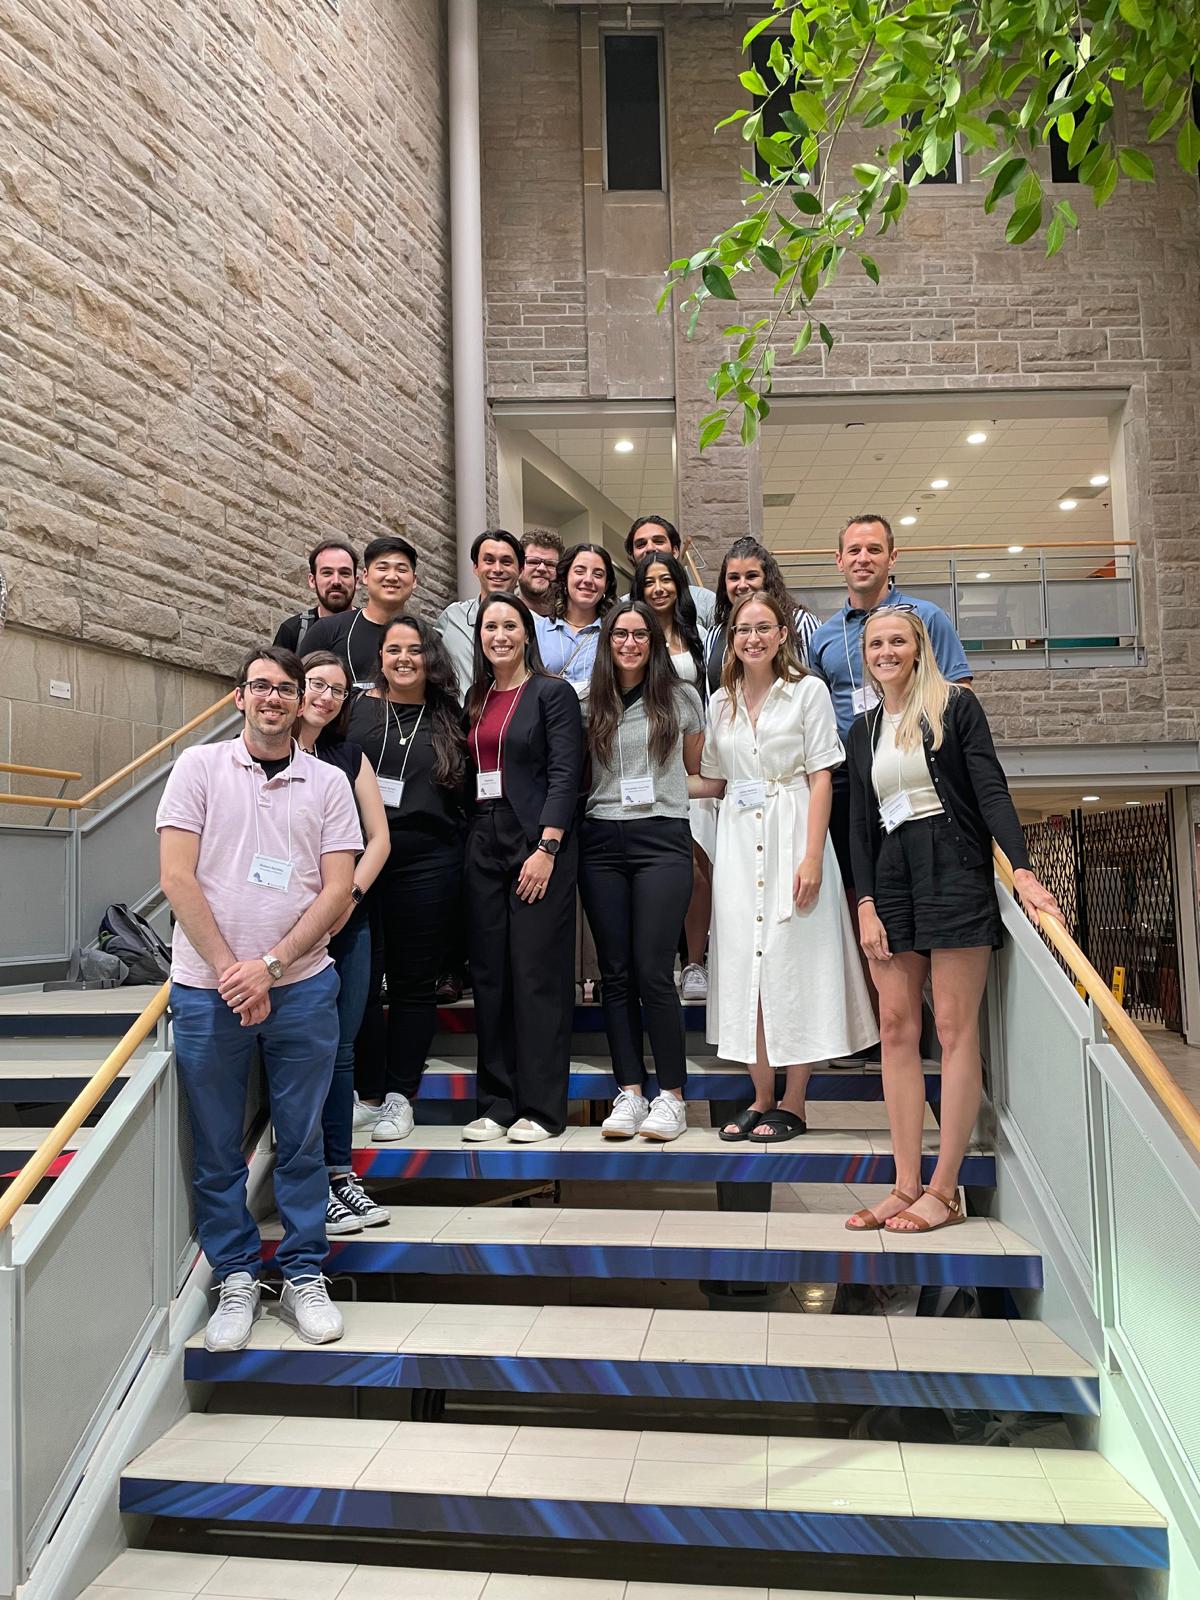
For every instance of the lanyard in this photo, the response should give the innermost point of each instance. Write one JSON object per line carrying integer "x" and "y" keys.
{"x": 405, "y": 744}
{"x": 581, "y": 639}
{"x": 621, "y": 753}
{"x": 503, "y": 727}
{"x": 846, "y": 644}
{"x": 285, "y": 773}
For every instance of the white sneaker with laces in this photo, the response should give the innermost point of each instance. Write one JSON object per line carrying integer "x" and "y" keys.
{"x": 365, "y": 1117}
{"x": 339, "y": 1218}
{"x": 527, "y": 1131}
{"x": 666, "y": 1121}
{"x": 483, "y": 1129}
{"x": 238, "y": 1309}
{"x": 352, "y": 1197}
{"x": 629, "y": 1111}
{"x": 395, "y": 1120}
{"x": 306, "y": 1305}
{"x": 693, "y": 983}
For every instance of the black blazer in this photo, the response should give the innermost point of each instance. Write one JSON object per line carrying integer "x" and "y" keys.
{"x": 967, "y": 777}
{"x": 542, "y": 756}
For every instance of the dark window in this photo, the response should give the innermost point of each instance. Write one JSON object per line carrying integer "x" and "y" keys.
{"x": 632, "y": 111}
{"x": 948, "y": 174}
{"x": 775, "y": 108}
{"x": 1061, "y": 171}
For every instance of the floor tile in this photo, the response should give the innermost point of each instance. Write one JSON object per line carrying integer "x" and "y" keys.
{"x": 670, "y": 1591}
{"x": 560, "y": 1477}
{"x": 1077, "y": 1466}
{"x": 966, "y": 1358}
{"x": 160, "y": 1569}
{"x": 601, "y": 1444}
{"x": 836, "y": 1326}
{"x": 1012, "y": 1243}
{"x": 834, "y": 1455}
{"x": 1100, "y": 1507}
{"x": 520, "y": 1586}
{"x": 943, "y": 1494}
{"x": 715, "y": 1231}
{"x": 360, "y": 1432}
{"x": 103, "y": 1591}
{"x": 1057, "y": 1361}
{"x": 697, "y": 1483}
{"x": 683, "y": 1322}
{"x": 933, "y": 1331}
{"x": 459, "y": 1338}
{"x": 586, "y": 1344}
{"x": 971, "y": 1238}
{"x": 495, "y": 1225}
{"x": 808, "y": 1230}
{"x": 230, "y": 1427}
{"x": 856, "y": 1355}
{"x": 731, "y": 1348}
{"x": 603, "y": 1227}
{"x": 412, "y": 1583}
{"x": 328, "y": 1466}
{"x": 972, "y": 1460}
{"x": 412, "y": 1225}
{"x": 1033, "y": 1332}
{"x": 484, "y": 1316}
{"x": 718, "y": 1449}
{"x": 203, "y": 1460}
{"x": 265, "y": 1579}
{"x": 453, "y": 1436}
{"x": 431, "y": 1471}
{"x": 882, "y": 1494}
{"x": 610, "y": 1319}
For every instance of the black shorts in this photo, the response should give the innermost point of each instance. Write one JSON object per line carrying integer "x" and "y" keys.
{"x": 932, "y": 892}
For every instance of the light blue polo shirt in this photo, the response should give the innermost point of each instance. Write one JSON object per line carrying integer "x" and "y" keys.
{"x": 567, "y": 652}
{"x": 835, "y": 651}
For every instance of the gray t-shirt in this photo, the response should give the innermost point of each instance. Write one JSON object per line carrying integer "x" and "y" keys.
{"x": 633, "y": 761}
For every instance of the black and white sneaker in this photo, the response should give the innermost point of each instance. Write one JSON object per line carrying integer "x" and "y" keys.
{"x": 339, "y": 1218}
{"x": 353, "y": 1199}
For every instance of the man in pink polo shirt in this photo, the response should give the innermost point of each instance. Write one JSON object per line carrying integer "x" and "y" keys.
{"x": 257, "y": 846}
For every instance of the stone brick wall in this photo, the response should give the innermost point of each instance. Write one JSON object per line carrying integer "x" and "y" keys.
{"x": 223, "y": 310}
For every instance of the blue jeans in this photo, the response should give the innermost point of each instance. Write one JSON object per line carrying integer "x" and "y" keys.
{"x": 351, "y": 952}
{"x": 214, "y": 1054}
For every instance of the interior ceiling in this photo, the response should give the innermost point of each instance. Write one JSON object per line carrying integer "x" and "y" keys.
{"x": 1004, "y": 491}
{"x": 1033, "y": 805}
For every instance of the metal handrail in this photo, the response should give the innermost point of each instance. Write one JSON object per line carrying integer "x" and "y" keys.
{"x": 69, "y": 1124}
{"x": 126, "y": 771}
{"x": 38, "y": 772}
{"x": 1116, "y": 1019}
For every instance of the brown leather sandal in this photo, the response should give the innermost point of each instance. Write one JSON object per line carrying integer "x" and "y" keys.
{"x": 870, "y": 1223}
{"x": 954, "y": 1215}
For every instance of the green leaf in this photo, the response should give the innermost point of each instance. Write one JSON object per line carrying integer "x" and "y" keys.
{"x": 1066, "y": 211}
{"x": 1136, "y": 15}
{"x": 1007, "y": 177}
{"x": 809, "y": 109}
{"x": 870, "y": 268}
{"x": 734, "y": 116}
{"x": 1187, "y": 146}
{"x": 826, "y": 336}
{"x": 1105, "y": 183}
{"x": 865, "y": 173}
{"x": 778, "y": 62}
{"x": 749, "y": 425}
{"x": 804, "y": 200}
{"x": 1024, "y": 223}
{"x": 752, "y": 33}
{"x": 1055, "y": 234}
{"x": 951, "y": 89}
{"x": 716, "y": 281}
{"x": 712, "y": 428}
{"x": 752, "y": 81}
{"x": 770, "y": 258}
{"x": 1136, "y": 164}
{"x": 802, "y": 339}
{"x": 776, "y": 152}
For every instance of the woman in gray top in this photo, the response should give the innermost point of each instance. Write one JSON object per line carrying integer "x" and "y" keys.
{"x": 645, "y": 735}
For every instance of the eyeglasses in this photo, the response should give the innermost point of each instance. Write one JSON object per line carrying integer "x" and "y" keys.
{"x": 638, "y": 635}
{"x": 761, "y": 630}
{"x": 541, "y": 561}
{"x": 318, "y": 687}
{"x": 263, "y": 689}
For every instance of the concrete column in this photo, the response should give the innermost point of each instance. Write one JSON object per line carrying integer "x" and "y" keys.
{"x": 466, "y": 288}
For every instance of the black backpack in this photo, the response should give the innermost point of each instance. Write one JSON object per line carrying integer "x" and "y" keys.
{"x": 125, "y": 934}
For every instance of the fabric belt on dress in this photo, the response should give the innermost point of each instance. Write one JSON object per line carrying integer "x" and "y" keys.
{"x": 782, "y": 825}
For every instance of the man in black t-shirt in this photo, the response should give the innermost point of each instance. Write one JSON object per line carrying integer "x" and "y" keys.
{"x": 390, "y": 576}
{"x": 333, "y": 578}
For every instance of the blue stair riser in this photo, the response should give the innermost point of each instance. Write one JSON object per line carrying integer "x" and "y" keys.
{"x": 695, "y": 1264}
{"x": 656, "y": 1380}
{"x": 370, "y": 1510}
{"x": 460, "y": 1086}
{"x": 631, "y": 1165}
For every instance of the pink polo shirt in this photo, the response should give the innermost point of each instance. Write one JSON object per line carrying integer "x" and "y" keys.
{"x": 217, "y": 791}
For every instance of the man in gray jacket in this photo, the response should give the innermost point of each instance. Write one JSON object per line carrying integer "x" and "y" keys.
{"x": 497, "y": 557}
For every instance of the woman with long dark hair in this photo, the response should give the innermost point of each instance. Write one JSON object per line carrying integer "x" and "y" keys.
{"x": 645, "y": 735}
{"x": 585, "y": 590}
{"x": 525, "y": 759}
{"x": 750, "y": 568}
{"x": 410, "y": 729}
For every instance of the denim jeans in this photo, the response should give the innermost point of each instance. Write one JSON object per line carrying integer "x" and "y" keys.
{"x": 214, "y": 1054}
{"x": 351, "y": 952}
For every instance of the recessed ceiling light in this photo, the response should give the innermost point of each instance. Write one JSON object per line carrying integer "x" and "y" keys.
{"x": 1015, "y": 549}
{"x": 983, "y": 574}
{"x": 623, "y": 446}
{"x": 907, "y": 522}
{"x": 1067, "y": 505}
{"x": 977, "y": 438}
{"x": 1097, "y": 481}
{"x": 939, "y": 483}
{"x": 1133, "y": 802}
{"x": 1089, "y": 797}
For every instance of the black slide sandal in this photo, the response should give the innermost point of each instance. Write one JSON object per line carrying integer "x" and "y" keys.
{"x": 787, "y": 1126}
{"x": 743, "y": 1122}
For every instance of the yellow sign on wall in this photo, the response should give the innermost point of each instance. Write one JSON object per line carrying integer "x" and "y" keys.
{"x": 1118, "y": 985}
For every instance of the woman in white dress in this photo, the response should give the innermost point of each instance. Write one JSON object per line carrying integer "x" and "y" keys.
{"x": 787, "y": 988}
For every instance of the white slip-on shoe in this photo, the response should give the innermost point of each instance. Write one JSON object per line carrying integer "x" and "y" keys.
{"x": 306, "y": 1305}
{"x": 666, "y": 1121}
{"x": 364, "y": 1117}
{"x": 483, "y": 1129}
{"x": 352, "y": 1197}
{"x": 395, "y": 1120}
{"x": 527, "y": 1131}
{"x": 693, "y": 984}
{"x": 238, "y": 1309}
{"x": 629, "y": 1111}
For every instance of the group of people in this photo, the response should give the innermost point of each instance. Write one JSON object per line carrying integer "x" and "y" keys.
{"x": 812, "y": 806}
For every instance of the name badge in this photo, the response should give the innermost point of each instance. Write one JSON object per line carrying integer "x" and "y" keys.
{"x": 364, "y": 683}
{"x": 747, "y": 792}
{"x": 269, "y": 872}
{"x": 895, "y": 810}
{"x": 863, "y": 699}
{"x": 488, "y": 785}
{"x": 637, "y": 791}
{"x": 392, "y": 790}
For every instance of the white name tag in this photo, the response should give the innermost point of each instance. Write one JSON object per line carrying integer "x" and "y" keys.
{"x": 895, "y": 810}
{"x": 863, "y": 699}
{"x": 392, "y": 790}
{"x": 746, "y": 793}
{"x": 269, "y": 872}
{"x": 637, "y": 791}
{"x": 488, "y": 785}
{"x": 364, "y": 683}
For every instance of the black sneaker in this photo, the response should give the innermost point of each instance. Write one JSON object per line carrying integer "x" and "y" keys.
{"x": 339, "y": 1218}
{"x": 353, "y": 1199}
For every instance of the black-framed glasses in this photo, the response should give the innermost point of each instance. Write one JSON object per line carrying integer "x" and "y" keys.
{"x": 317, "y": 687}
{"x": 638, "y": 635}
{"x": 263, "y": 689}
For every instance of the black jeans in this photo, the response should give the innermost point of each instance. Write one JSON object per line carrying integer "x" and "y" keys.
{"x": 636, "y": 881}
{"x": 414, "y": 906}
{"x": 522, "y": 972}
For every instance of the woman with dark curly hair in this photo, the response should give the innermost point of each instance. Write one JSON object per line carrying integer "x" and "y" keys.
{"x": 750, "y": 568}
{"x": 410, "y": 729}
{"x": 585, "y": 589}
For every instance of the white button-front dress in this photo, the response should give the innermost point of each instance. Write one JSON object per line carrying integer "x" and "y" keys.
{"x": 802, "y": 966}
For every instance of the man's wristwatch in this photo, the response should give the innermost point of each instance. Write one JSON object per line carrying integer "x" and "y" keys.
{"x": 274, "y": 966}
{"x": 356, "y": 894}
{"x": 550, "y": 846}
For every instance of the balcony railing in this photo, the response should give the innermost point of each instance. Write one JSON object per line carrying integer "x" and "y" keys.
{"x": 1048, "y": 605}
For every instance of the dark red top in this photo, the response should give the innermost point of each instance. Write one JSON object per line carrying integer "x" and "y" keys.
{"x": 485, "y": 736}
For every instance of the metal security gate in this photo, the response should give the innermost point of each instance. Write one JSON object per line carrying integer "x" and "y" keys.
{"x": 1111, "y": 873}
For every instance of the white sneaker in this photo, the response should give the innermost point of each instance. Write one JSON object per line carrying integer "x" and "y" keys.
{"x": 365, "y": 1117}
{"x": 629, "y": 1111}
{"x": 527, "y": 1131}
{"x": 395, "y": 1120}
{"x": 353, "y": 1198}
{"x": 693, "y": 983}
{"x": 238, "y": 1309}
{"x": 305, "y": 1303}
{"x": 666, "y": 1121}
{"x": 483, "y": 1129}
{"x": 339, "y": 1218}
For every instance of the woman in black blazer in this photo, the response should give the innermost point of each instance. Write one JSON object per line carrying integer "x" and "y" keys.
{"x": 525, "y": 764}
{"x": 927, "y": 797}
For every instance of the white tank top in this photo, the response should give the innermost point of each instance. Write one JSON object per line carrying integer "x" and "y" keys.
{"x": 895, "y": 771}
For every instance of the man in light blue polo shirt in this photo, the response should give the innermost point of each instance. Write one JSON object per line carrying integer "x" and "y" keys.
{"x": 866, "y": 555}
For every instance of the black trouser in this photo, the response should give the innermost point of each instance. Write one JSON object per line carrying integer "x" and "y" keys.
{"x": 522, "y": 972}
{"x": 414, "y": 905}
{"x": 839, "y": 825}
{"x": 636, "y": 881}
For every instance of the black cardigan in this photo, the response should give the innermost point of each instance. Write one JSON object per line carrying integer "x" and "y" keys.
{"x": 542, "y": 756}
{"x": 967, "y": 778}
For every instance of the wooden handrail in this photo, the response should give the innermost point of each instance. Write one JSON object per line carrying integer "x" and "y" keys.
{"x": 126, "y": 771}
{"x": 1118, "y": 1022}
{"x": 38, "y": 772}
{"x": 69, "y": 1124}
